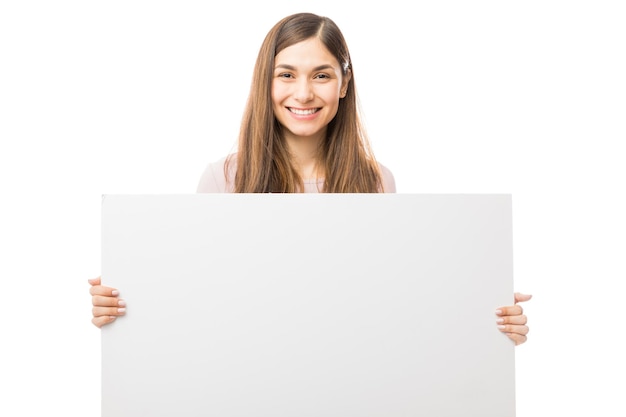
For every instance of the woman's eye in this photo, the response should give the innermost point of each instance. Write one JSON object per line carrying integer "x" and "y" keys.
{"x": 285, "y": 75}
{"x": 322, "y": 76}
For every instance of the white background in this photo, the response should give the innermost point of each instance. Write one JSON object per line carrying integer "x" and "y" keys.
{"x": 134, "y": 96}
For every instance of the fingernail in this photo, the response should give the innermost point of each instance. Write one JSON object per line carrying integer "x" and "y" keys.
{"x": 121, "y": 303}
{"x": 498, "y": 312}
{"x": 115, "y": 293}
{"x": 121, "y": 310}
{"x": 501, "y": 327}
{"x": 499, "y": 320}
{"x": 112, "y": 317}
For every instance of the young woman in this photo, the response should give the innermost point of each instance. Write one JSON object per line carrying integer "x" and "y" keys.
{"x": 300, "y": 132}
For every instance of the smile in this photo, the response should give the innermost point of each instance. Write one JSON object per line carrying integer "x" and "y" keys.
{"x": 303, "y": 112}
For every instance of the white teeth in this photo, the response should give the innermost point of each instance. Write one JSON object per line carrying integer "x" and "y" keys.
{"x": 302, "y": 112}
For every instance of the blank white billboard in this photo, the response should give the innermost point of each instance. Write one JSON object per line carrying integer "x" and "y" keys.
{"x": 294, "y": 305}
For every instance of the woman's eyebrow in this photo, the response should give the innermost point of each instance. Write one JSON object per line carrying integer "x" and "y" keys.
{"x": 292, "y": 68}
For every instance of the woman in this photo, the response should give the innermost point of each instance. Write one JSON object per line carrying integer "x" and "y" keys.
{"x": 301, "y": 132}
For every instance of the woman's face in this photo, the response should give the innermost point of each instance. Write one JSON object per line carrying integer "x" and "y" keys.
{"x": 306, "y": 89}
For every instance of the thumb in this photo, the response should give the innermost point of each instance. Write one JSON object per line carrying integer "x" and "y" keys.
{"x": 94, "y": 281}
{"x": 519, "y": 297}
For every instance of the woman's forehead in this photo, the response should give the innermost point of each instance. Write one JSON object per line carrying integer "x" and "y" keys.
{"x": 307, "y": 53}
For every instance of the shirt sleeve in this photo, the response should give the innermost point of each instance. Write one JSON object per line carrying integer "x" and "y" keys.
{"x": 389, "y": 182}
{"x": 213, "y": 179}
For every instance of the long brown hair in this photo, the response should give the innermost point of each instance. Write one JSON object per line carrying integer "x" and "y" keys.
{"x": 263, "y": 158}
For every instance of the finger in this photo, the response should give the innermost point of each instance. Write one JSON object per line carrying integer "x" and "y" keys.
{"x": 515, "y": 310}
{"x": 101, "y": 321}
{"x": 102, "y": 290}
{"x": 519, "y": 297}
{"x": 514, "y": 329}
{"x": 100, "y": 301}
{"x": 108, "y": 311}
{"x": 94, "y": 281}
{"x": 521, "y": 319}
{"x": 518, "y": 339}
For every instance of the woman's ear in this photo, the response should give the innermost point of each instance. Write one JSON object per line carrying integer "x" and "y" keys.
{"x": 345, "y": 80}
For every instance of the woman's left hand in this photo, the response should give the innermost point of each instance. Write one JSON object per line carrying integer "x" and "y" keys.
{"x": 511, "y": 320}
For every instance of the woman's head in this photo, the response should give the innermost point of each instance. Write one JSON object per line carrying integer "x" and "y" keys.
{"x": 287, "y": 37}
{"x": 303, "y": 86}
{"x": 307, "y": 86}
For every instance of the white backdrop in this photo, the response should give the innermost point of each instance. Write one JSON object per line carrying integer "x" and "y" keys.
{"x": 134, "y": 96}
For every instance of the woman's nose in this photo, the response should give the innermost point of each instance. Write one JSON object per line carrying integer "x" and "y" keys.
{"x": 303, "y": 91}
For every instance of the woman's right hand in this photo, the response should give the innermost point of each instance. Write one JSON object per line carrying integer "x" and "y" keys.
{"x": 107, "y": 305}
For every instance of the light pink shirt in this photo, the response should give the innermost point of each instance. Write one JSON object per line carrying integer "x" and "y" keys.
{"x": 214, "y": 181}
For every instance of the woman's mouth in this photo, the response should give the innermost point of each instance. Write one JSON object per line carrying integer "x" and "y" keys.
{"x": 303, "y": 112}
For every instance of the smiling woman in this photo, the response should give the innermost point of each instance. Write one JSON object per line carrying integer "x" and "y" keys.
{"x": 305, "y": 94}
{"x": 301, "y": 132}
{"x": 301, "y": 129}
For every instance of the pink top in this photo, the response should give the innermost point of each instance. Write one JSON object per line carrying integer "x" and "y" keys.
{"x": 213, "y": 180}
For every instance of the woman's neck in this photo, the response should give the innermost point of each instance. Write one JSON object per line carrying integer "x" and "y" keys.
{"x": 306, "y": 154}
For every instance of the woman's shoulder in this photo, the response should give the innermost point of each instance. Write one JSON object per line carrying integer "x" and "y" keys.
{"x": 218, "y": 175}
{"x": 389, "y": 182}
